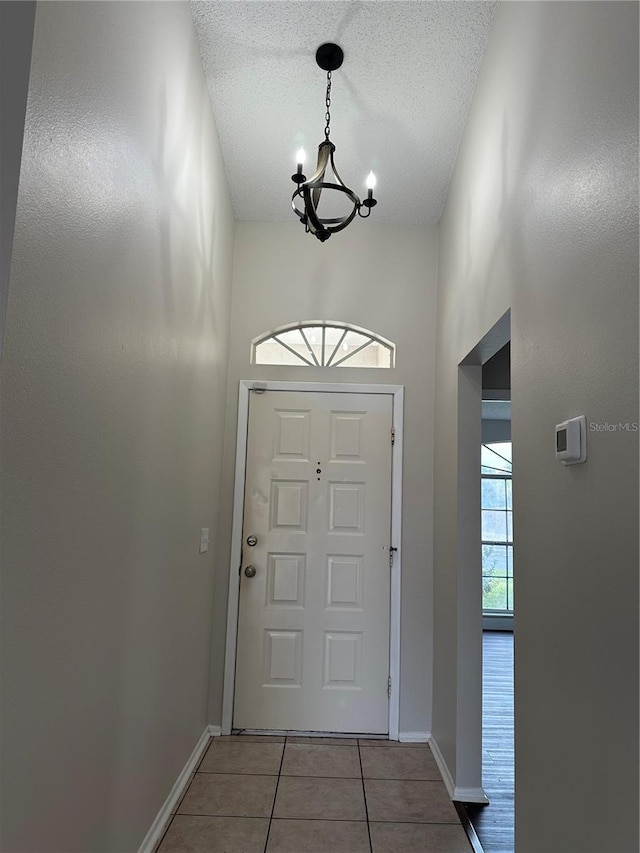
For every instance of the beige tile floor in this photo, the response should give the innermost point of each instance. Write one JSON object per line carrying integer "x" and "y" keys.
{"x": 315, "y": 795}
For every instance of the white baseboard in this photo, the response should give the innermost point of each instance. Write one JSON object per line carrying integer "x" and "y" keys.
{"x": 443, "y": 767}
{"x": 215, "y": 731}
{"x": 470, "y": 795}
{"x": 414, "y": 737}
{"x": 162, "y": 818}
{"x": 456, "y": 792}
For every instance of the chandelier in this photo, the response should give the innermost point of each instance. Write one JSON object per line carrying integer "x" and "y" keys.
{"x": 329, "y": 57}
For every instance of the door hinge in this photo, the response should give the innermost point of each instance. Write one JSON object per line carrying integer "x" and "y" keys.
{"x": 393, "y": 435}
{"x": 389, "y": 687}
{"x": 392, "y": 550}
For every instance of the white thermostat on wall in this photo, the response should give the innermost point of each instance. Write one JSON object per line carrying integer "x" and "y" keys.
{"x": 571, "y": 441}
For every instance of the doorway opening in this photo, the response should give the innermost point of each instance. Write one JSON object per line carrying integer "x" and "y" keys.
{"x": 494, "y": 822}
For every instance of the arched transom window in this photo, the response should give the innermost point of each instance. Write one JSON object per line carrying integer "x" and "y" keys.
{"x": 323, "y": 344}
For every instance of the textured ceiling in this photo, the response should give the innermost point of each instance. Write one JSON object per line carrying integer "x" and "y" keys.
{"x": 399, "y": 102}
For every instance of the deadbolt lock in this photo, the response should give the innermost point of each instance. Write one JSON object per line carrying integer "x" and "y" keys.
{"x": 252, "y": 540}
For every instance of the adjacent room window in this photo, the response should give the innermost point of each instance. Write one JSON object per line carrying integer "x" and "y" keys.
{"x": 323, "y": 344}
{"x": 497, "y": 529}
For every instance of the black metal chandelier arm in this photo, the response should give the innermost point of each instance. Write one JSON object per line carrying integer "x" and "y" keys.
{"x": 339, "y": 222}
{"x": 315, "y": 224}
{"x": 301, "y": 214}
{"x": 325, "y": 220}
{"x": 328, "y": 185}
{"x": 340, "y": 181}
{"x": 309, "y": 214}
{"x": 325, "y": 154}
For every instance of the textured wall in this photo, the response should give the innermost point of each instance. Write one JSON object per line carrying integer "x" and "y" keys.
{"x": 113, "y": 393}
{"x": 382, "y": 278}
{"x": 542, "y": 217}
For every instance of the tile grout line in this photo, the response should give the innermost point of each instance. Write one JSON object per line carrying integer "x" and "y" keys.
{"x": 364, "y": 796}
{"x": 275, "y": 794}
{"x": 321, "y": 819}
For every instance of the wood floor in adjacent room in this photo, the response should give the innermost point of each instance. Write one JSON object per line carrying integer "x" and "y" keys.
{"x": 494, "y": 823}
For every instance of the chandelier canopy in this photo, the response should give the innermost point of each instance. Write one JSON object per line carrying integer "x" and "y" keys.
{"x": 329, "y": 57}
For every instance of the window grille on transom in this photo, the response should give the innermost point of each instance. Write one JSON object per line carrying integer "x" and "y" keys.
{"x": 323, "y": 344}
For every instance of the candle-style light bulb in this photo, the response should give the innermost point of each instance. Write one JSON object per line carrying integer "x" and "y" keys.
{"x": 301, "y": 156}
{"x": 370, "y": 201}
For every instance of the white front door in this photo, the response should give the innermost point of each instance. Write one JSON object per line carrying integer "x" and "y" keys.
{"x": 313, "y": 628}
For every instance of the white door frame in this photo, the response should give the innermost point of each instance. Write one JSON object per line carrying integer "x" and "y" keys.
{"x": 468, "y": 766}
{"x": 397, "y": 392}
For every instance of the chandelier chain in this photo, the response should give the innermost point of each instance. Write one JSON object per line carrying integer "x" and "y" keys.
{"x": 327, "y": 102}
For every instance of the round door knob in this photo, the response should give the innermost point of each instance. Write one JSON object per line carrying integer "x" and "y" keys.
{"x": 250, "y": 571}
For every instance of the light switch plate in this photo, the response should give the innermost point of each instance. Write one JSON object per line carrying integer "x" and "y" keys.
{"x": 204, "y": 540}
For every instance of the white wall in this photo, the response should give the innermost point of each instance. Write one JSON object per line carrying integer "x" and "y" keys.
{"x": 542, "y": 218}
{"x": 113, "y": 393}
{"x": 381, "y": 278}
